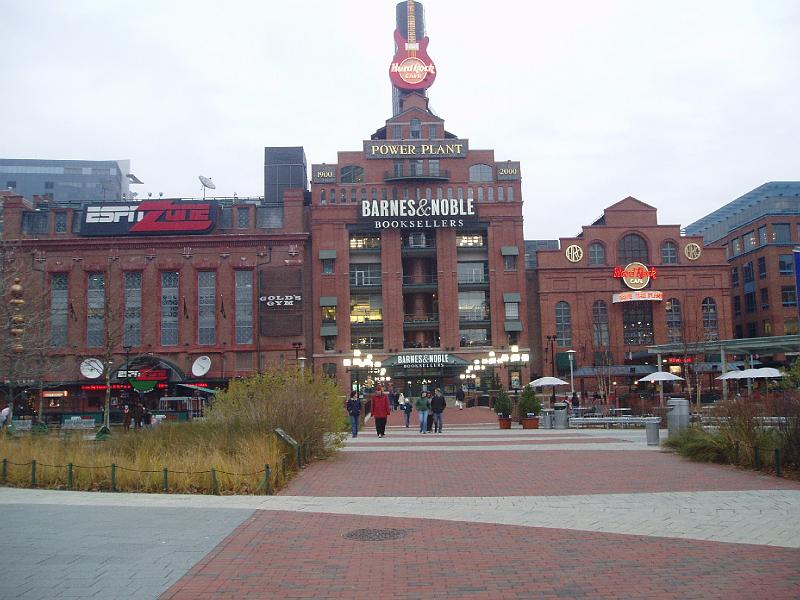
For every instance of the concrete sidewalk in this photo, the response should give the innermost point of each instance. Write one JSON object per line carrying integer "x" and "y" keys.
{"x": 470, "y": 513}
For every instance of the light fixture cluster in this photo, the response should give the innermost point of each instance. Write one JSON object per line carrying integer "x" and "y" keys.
{"x": 364, "y": 363}
{"x": 493, "y": 360}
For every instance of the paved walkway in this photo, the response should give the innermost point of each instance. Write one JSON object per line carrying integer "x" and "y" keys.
{"x": 470, "y": 513}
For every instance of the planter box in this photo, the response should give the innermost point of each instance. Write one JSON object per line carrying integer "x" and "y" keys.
{"x": 505, "y": 423}
{"x": 530, "y": 423}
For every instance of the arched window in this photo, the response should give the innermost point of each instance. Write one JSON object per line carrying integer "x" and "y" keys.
{"x": 322, "y": 199}
{"x": 632, "y": 248}
{"x": 710, "y": 321}
{"x": 597, "y": 254}
{"x": 491, "y": 194}
{"x": 669, "y": 253}
{"x": 416, "y": 129}
{"x": 510, "y": 194}
{"x": 500, "y": 195}
{"x": 563, "y": 324}
{"x": 352, "y": 174}
{"x": 480, "y": 194}
{"x": 480, "y": 173}
{"x": 674, "y": 320}
{"x": 343, "y": 195}
{"x": 353, "y": 195}
{"x": 600, "y": 320}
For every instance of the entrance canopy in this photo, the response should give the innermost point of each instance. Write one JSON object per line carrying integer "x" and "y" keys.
{"x": 762, "y": 345}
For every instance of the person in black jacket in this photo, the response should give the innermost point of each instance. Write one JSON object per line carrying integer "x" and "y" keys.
{"x": 354, "y": 410}
{"x": 438, "y": 405}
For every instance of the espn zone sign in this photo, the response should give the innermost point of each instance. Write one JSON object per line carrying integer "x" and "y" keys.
{"x": 151, "y": 217}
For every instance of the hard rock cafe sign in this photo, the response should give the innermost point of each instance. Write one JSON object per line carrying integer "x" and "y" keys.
{"x": 635, "y": 275}
{"x": 411, "y": 68}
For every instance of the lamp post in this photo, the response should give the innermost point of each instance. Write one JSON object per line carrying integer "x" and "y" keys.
{"x": 297, "y": 346}
{"x": 571, "y": 355}
{"x": 515, "y": 359}
{"x": 552, "y": 339}
{"x": 127, "y": 349}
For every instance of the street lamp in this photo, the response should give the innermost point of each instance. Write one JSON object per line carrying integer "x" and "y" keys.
{"x": 515, "y": 359}
{"x": 571, "y": 355}
{"x": 552, "y": 339}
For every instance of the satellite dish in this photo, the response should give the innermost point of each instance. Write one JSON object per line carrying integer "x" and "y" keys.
{"x": 207, "y": 183}
{"x": 92, "y": 368}
{"x": 201, "y": 366}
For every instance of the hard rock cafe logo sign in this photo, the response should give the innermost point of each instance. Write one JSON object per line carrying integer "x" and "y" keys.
{"x": 635, "y": 275}
{"x": 412, "y": 68}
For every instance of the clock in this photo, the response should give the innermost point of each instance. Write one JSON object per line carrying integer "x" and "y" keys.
{"x": 92, "y": 368}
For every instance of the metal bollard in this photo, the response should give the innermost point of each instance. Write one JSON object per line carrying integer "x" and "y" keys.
{"x": 69, "y": 476}
{"x": 33, "y": 473}
{"x": 166, "y": 481}
{"x": 113, "y": 477}
{"x": 757, "y": 458}
{"x": 267, "y": 480}
{"x": 214, "y": 482}
{"x": 778, "y": 465}
{"x": 5, "y": 470}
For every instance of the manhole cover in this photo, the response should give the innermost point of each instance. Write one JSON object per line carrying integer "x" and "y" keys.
{"x": 375, "y": 535}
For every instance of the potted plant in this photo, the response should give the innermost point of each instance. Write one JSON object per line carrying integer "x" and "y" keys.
{"x": 529, "y": 408}
{"x": 502, "y": 406}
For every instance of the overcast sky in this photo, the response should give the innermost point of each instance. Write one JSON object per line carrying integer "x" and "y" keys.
{"x": 685, "y": 104}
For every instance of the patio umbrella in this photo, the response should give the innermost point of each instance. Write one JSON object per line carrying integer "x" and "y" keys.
{"x": 547, "y": 381}
{"x": 767, "y": 373}
{"x": 660, "y": 376}
{"x": 731, "y": 375}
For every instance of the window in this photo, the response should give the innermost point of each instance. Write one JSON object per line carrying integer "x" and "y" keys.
{"x": 342, "y": 196}
{"x": 512, "y": 311}
{"x": 433, "y": 170}
{"x": 206, "y": 307}
{"x": 48, "y": 185}
{"x": 470, "y": 240}
{"x": 781, "y": 233}
{"x": 399, "y": 171}
{"x": 328, "y": 265}
{"x": 749, "y": 240}
{"x": 365, "y": 274}
{"x": 669, "y": 253}
{"x": 416, "y": 129}
{"x": 563, "y": 324}
{"x": 764, "y": 298}
{"x": 366, "y": 309}
{"x": 472, "y": 272}
{"x": 330, "y": 343}
{"x": 762, "y": 235}
{"x": 329, "y": 314}
{"x": 788, "y": 295}
{"x": 244, "y": 306}
{"x": 418, "y": 167}
{"x": 34, "y": 222}
{"x": 752, "y": 330}
{"x": 767, "y": 327}
{"x": 737, "y": 332}
{"x": 243, "y": 218}
{"x": 791, "y": 326}
{"x": 169, "y": 308}
{"x": 735, "y": 276}
{"x": 490, "y": 194}
{"x": 600, "y": 322}
{"x": 637, "y": 323}
{"x": 133, "y": 309}
{"x": 762, "y": 267}
{"x": 785, "y": 264}
{"x": 747, "y": 271}
{"x": 61, "y": 222}
{"x": 352, "y": 174}
{"x": 433, "y": 131}
{"x": 369, "y": 341}
{"x": 597, "y": 254}
{"x": 510, "y": 262}
{"x": 11, "y": 185}
{"x": 674, "y": 320}
{"x": 473, "y": 306}
{"x": 474, "y": 337}
{"x": 737, "y": 306}
{"x": 353, "y": 195}
{"x": 59, "y": 309}
{"x": 480, "y": 173}
{"x": 750, "y": 302}
{"x": 710, "y": 321}
{"x": 501, "y": 195}
{"x": 632, "y": 248}
{"x": 365, "y": 241}
{"x": 510, "y": 194}
{"x": 398, "y": 132}
{"x": 96, "y": 310}
{"x": 737, "y": 246}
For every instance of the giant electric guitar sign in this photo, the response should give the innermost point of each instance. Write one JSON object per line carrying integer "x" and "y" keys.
{"x": 152, "y": 217}
{"x": 412, "y": 68}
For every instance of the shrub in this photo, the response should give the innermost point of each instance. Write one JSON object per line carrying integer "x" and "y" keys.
{"x": 502, "y": 404}
{"x": 529, "y": 403}
{"x": 700, "y": 445}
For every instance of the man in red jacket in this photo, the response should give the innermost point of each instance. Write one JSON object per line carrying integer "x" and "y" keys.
{"x": 380, "y": 410}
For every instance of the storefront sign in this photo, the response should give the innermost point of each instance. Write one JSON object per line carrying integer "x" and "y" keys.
{"x": 678, "y": 360}
{"x": 323, "y": 173}
{"x": 637, "y": 296}
{"x": 282, "y": 300}
{"x": 508, "y": 171}
{"x": 397, "y": 150}
{"x": 144, "y": 374}
{"x": 55, "y": 394}
{"x": 411, "y": 68}
{"x": 156, "y": 217}
{"x": 423, "y": 360}
{"x": 418, "y": 214}
{"x": 636, "y": 275}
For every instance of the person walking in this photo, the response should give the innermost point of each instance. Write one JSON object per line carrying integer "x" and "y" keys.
{"x": 354, "y": 410}
{"x": 405, "y": 405}
{"x": 126, "y": 418}
{"x": 380, "y": 410}
{"x": 460, "y": 398}
{"x": 392, "y": 398}
{"x": 438, "y": 404}
{"x": 423, "y": 406}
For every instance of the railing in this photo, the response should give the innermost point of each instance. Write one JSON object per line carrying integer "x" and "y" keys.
{"x": 472, "y": 278}
{"x": 418, "y": 244}
{"x": 364, "y": 280}
{"x": 479, "y": 314}
{"x": 420, "y": 280}
{"x": 410, "y": 174}
{"x": 421, "y": 318}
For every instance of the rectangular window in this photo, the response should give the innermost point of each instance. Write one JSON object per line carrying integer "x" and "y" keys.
{"x": 747, "y": 271}
{"x": 226, "y": 217}
{"x": 244, "y": 306}
{"x": 637, "y": 323}
{"x": 370, "y": 341}
{"x": 735, "y": 276}
{"x": 752, "y": 330}
{"x": 366, "y": 309}
{"x": 472, "y": 272}
{"x": 737, "y": 332}
{"x": 243, "y": 218}
{"x": 781, "y": 233}
{"x": 762, "y": 235}
{"x": 475, "y": 337}
{"x": 791, "y": 326}
{"x": 788, "y": 295}
{"x": 762, "y": 267}
{"x": 34, "y": 222}
{"x": 398, "y": 132}
{"x": 749, "y": 240}
{"x": 207, "y": 307}
{"x": 329, "y": 314}
{"x": 330, "y": 343}
{"x": 169, "y": 308}
{"x": 328, "y": 265}
{"x": 11, "y": 185}
{"x": 365, "y": 275}
{"x": 418, "y": 167}
{"x": 473, "y": 240}
{"x": 133, "y": 309}
{"x": 737, "y": 246}
{"x": 398, "y": 168}
{"x": 785, "y": 264}
{"x": 433, "y": 131}
{"x": 750, "y": 302}
{"x": 767, "y": 327}
{"x": 365, "y": 241}
{"x": 96, "y": 310}
{"x": 61, "y": 222}
{"x": 473, "y": 306}
{"x": 512, "y": 311}
{"x": 59, "y": 306}
{"x": 764, "y": 298}
{"x": 737, "y": 306}
{"x": 433, "y": 169}
{"x": 510, "y": 262}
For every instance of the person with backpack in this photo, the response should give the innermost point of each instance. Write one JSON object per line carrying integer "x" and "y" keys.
{"x": 423, "y": 406}
{"x": 438, "y": 404}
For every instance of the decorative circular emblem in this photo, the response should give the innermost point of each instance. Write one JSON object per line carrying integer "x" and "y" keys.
{"x": 574, "y": 253}
{"x": 636, "y": 275}
{"x": 692, "y": 251}
{"x": 412, "y": 70}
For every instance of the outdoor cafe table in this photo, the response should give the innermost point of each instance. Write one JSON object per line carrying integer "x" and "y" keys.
{"x": 619, "y": 411}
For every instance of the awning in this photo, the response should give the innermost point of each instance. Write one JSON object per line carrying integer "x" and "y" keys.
{"x": 513, "y": 325}
{"x": 324, "y": 254}
{"x": 615, "y": 370}
{"x": 512, "y": 297}
{"x": 327, "y": 301}
{"x": 198, "y": 388}
{"x": 329, "y": 329}
{"x": 509, "y": 251}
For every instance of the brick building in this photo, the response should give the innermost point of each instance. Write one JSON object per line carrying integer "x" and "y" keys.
{"x": 758, "y": 232}
{"x": 625, "y": 283}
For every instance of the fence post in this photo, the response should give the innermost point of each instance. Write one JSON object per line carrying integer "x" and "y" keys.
{"x": 283, "y": 466}
{"x": 778, "y": 465}
{"x": 5, "y": 470}
{"x": 214, "y": 482}
{"x": 33, "y": 473}
{"x": 267, "y": 480}
{"x": 113, "y": 477}
{"x": 69, "y": 476}
{"x": 736, "y": 451}
{"x": 166, "y": 481}
{"x": 757, "y": 458}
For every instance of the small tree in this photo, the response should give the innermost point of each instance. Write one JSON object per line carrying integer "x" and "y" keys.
{"x": 529, "y": 403}
{"x": 502, "y": 404}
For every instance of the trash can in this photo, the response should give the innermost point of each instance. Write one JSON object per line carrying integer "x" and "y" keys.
{"x": 677, "y": 415}
{"x": 560, "y": 419}
{"x": 546, "y": 421}
{"x": 651, "y": 429}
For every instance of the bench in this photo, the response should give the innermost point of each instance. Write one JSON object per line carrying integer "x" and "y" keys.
{"x": 609, "y": 421}
{"x": 22, "y": 425}
{"x": 78, "y": 424}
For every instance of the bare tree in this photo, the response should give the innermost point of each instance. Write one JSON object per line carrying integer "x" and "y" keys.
{"x": 109, "y": 306}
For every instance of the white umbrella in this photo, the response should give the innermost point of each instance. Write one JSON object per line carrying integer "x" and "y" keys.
{"x": 731, "y": 375}
{"x": 660, "y": 376}
{"x": 767, "y": 373}
{"x": 547, "y": 381}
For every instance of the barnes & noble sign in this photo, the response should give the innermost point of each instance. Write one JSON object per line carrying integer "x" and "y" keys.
{"x": 418, "y": 214}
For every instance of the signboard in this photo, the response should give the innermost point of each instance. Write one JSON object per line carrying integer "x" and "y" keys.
{"x": 417, "y": 214}
{"x": 411, "y": 68}
{"x": 409, "y": 149}
{"x": 323, "y": 173}
{"x": 637, "y": 296}
{"x": 284, "y": 300}
{"x": 423, "y": 360}
{"x": 635, "y": 275}
{"x": 508, "y": 171}
{"x": 144, "y": 374}
{"x": 151, "y": 217}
